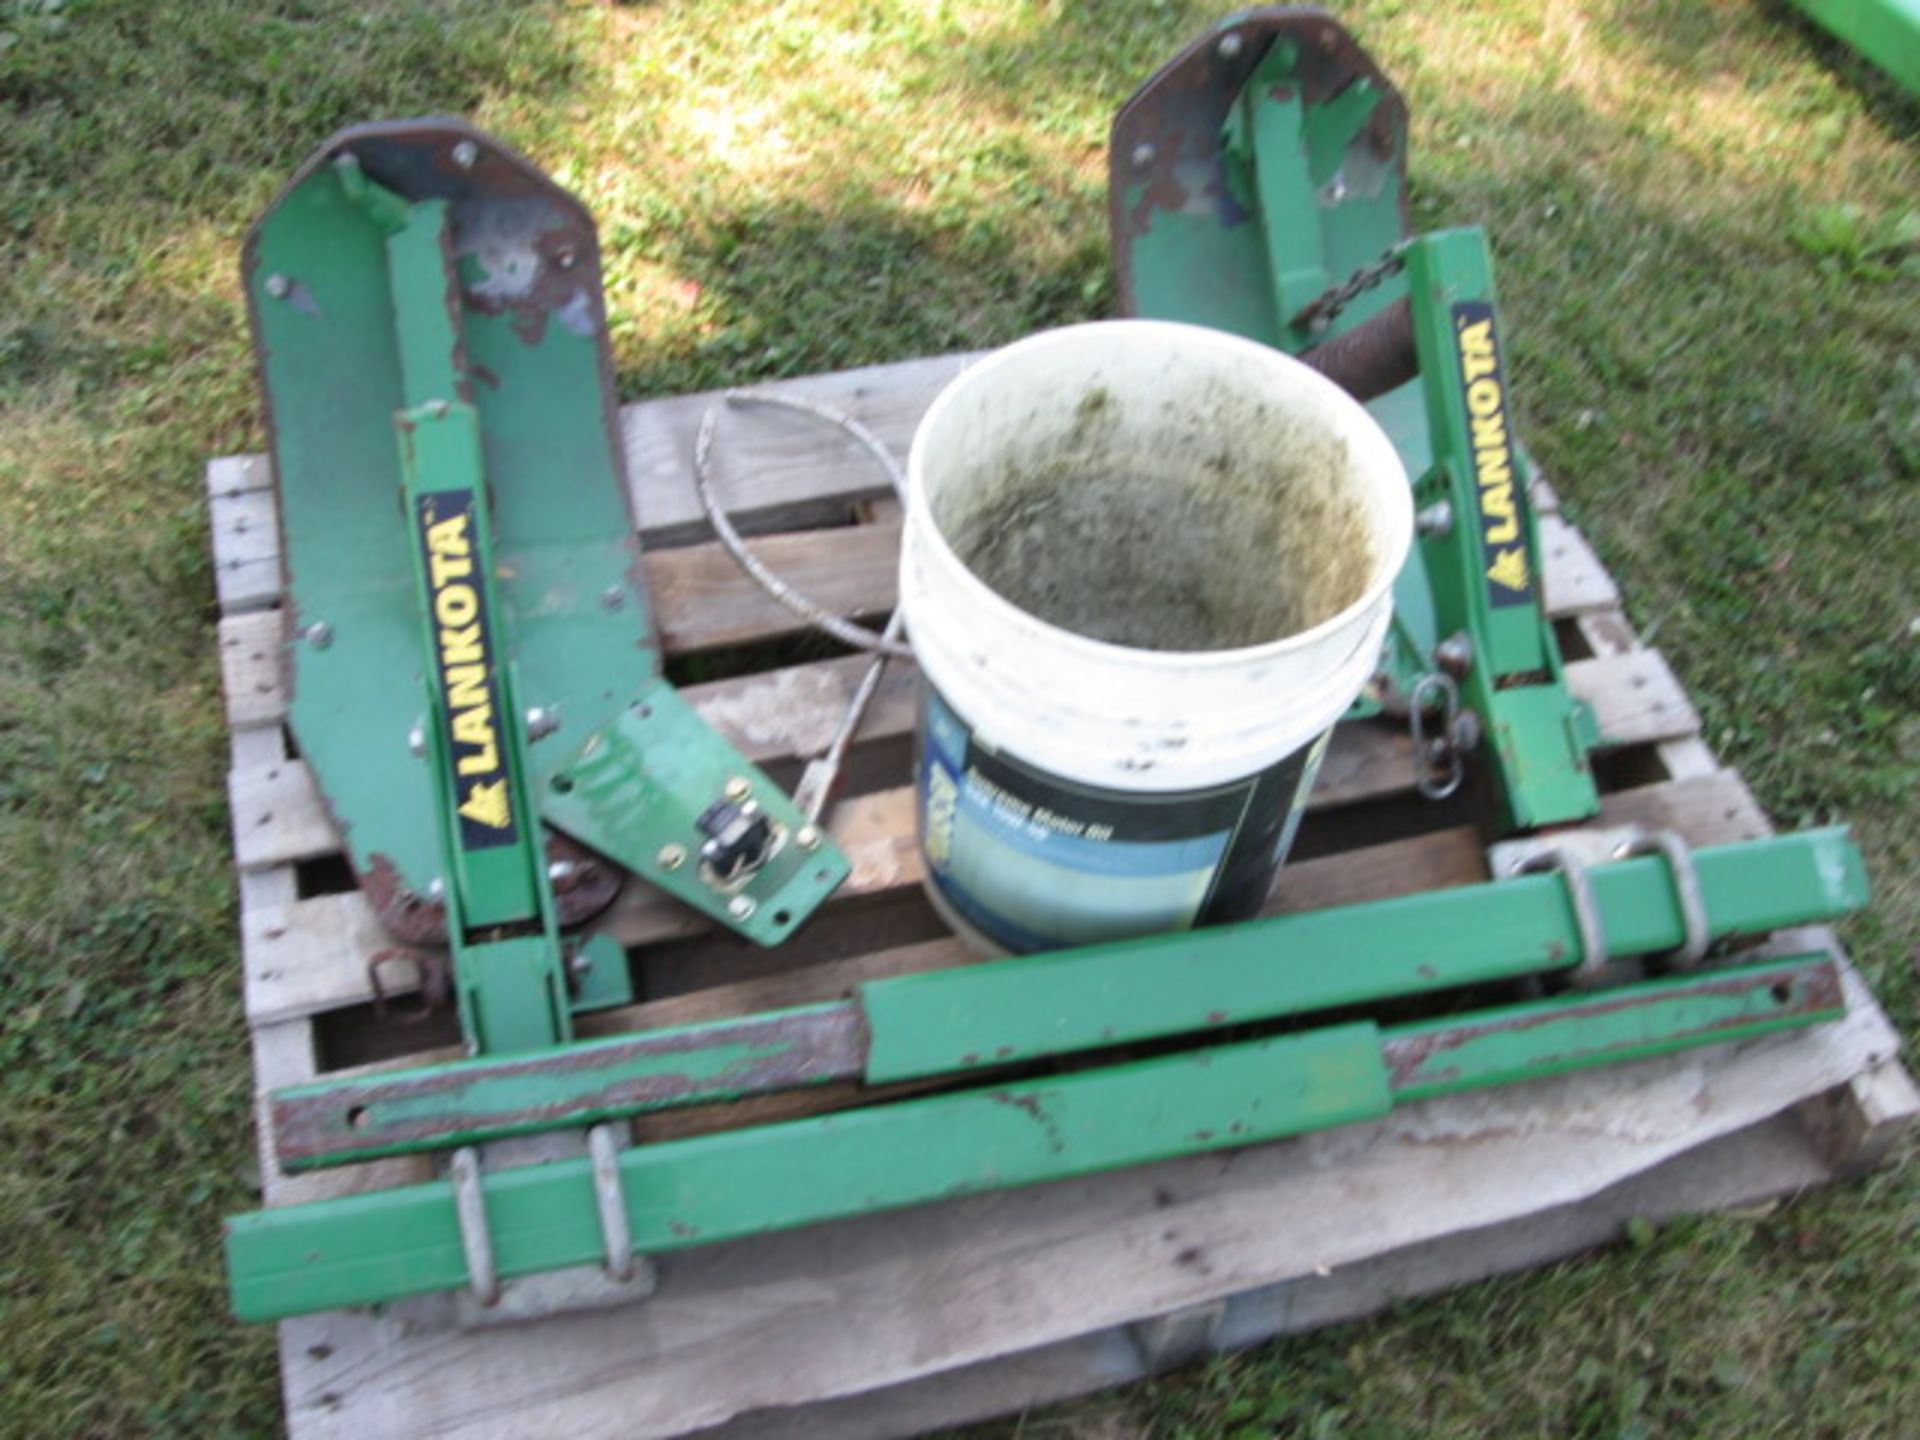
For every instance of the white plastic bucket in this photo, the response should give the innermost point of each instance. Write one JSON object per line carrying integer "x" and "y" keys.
{"x": 1147, "y": 566}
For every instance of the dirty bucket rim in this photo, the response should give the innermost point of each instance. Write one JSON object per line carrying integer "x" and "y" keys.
{"x": 1394, "y": 545}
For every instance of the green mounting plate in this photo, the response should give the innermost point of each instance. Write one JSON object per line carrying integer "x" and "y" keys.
{"x": 522, "y": 272}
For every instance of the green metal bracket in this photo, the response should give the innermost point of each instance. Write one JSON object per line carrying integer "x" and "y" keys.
{"x": 1251, "y": 177}
{"x": 650, "y": 774}
{"x": 1482, "y": 560}
{"x": 1206, "y": 227}
{"x": 432, "y": 346}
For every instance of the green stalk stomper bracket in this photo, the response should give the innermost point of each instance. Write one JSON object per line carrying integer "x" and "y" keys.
{"x": 475, "y": 683}
{"x": 463, "y": 568}
{"x": 1259, "y": 186}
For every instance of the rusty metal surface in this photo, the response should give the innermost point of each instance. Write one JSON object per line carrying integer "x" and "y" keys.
{"x": 584, "y": 885}
{"x": 1175, "y": 119}
{"x": 1374, "y": 357}
{"x": 1419, "y": 1060}
{"x": 467, "y": 1101}
{"x": 537, "y": 241}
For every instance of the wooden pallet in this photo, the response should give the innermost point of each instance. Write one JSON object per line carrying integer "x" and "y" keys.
{"x": 893, "y": 1324}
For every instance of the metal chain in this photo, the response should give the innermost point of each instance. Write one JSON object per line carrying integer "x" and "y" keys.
{"x": 1317, "y": 314}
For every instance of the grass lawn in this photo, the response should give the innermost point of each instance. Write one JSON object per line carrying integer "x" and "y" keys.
{"x": 1707, "y": 223}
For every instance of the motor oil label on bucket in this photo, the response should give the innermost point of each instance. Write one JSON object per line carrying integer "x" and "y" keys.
{"x": 1035, "y": 861}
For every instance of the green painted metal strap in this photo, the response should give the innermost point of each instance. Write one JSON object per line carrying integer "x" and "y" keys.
{"x": 1021, "y": 1009}
{"x": 383, "y": 1245}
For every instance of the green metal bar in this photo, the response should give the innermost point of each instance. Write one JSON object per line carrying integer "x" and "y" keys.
{"x": 380, "y": 1246}
{"x": 1278, "y": 127}
{"x": 1415, "y": 944}
{"x": 1020, "y": 1009}
{"x": 1483, "y": 568}
{"x": 1486, "y": 567}
{"x": 426, "y": 301}
{"x": 511, "y": 988}
{"x": 489, "y": 829}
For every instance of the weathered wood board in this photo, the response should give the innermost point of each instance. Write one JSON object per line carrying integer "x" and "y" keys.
{"x": 892, "y": 1324}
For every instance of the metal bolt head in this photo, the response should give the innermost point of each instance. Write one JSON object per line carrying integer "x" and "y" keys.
{"x": 1435, "y": 519}
{"x": 1143, "y": 156}
{"x": 1466, "y": 732}
{"x": 738, "y": 789}
{"x": 279, "y": 286}
{"x": 614, "y": 596}
{"x": 417, "y": 739}
{"x": 567, "y": 259}
{"x": 319, "y": 634}
{"x": 437, "y": 408}
{"x": 561, "y": 871}
{"x": 436, "y": 888}
{"x": 672, "y": 857}
{"x": 1454, "y": 654}
{"x": 807, "y": 837}
{"x": 465, "y": 153}
{"x": 741, "y": 907}
{"x": 1230, "y": 46}
{"x": 542, "y": 721}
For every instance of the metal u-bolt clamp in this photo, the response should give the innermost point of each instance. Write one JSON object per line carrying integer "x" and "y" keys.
{"x": 610, "y": 1197}
{"x": 476, "y": 1240}
{"x": 1686, "y": 890}
{"x": 1586, "y": 910}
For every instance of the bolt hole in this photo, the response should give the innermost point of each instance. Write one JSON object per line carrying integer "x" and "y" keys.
{"x": 781, "y": 917}
{"x": 821, "y": 876}
{"x": 645, "y": 712}
{"x": 1782, "y": 992}
{"x": 357, "y": 1117}
{"x": 562, "y": 784}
